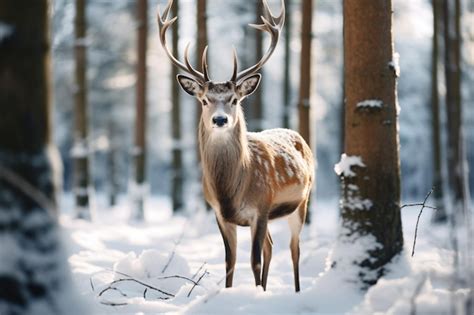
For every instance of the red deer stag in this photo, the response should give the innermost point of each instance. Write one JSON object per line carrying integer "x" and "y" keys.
{"x": 248, "y": 178}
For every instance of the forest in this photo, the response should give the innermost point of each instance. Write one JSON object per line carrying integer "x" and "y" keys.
{"x": 236, "y": 157}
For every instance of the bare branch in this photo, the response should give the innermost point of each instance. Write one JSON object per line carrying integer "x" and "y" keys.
{"x": 197, "y": 283}
{"x": 174, "y": 248}
{"x": 416, "y": 293}
{"x": 112, "y": 303}
{"x": 110, "y": 287}
{"x": 199, "y": 270}
{"x": 92, "y": 284}
{"x": 177, "y": 277}
{"x": 34, "y": 193}
{"x": 423, "y": 206}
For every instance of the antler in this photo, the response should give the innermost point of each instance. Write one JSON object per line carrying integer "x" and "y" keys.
{"x": 164, "y": 24}
{"x": 271, "y": 24}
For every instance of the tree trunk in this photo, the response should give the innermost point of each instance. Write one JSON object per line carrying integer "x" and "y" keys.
{"x": 81, "y": 140}
{"x": 202, "y": 39}
{"x": 139, "y": 152}
{"x": 256, "y": 102}
{"x": 112, "y": 165}
{"x": 201, "y": 18}
{"x": 286, "y": 71}
{"x": 304, "y": 99}
{"x": 33, "y": 274}
{"x": 177, "y": 180}
{"x": 455, "y": 154}
{"x": 371, "y": 189}
{"x": 440, "y": 214}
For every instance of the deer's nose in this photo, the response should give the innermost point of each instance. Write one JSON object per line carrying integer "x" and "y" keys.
{"x": 219, "y": 121}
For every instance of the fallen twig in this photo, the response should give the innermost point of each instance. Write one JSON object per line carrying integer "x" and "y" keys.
{"x": 92, "y": 284}
{"x": 199, "y": 270}
{"x": 416, "y": 293}
{"x": 423, "y": 206}
{"x": 108, "y": 303}
{"x": 203, "y": 274}
{"x": 110, "y": 287}
{"x": 177, "y": 277}
{"x": 174, "y": 248}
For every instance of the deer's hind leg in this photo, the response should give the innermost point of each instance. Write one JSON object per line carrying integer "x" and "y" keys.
{"x": 267, "y": 257}
{"x": 296, "y": 221}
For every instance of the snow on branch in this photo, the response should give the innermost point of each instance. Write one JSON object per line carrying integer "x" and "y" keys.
{"x": 343, "y": 168}
{"x": 370, "y": 104}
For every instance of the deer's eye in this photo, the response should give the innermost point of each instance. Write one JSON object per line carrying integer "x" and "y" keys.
{"x": 204, "y": 102}
{"x": 234, "y": 102}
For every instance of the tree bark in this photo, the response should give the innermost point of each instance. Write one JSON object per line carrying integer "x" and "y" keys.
{"x": 202, "y": 40}
{"x": 33, "y": 277}
{"x": 287, "y": 64}
{"x": 112, "y": 164}
{"x": 81, "y": 134}
{"x": 256, "y": 102}
{"x": 440, "y": 214}
{"x": 139, "y": 152}
{"x": 455, "y": 154}
{"x": 371, "y": 198}
{"x": 304, "y": 100}
{"x": 177, "y": 180}
{"x": 201, "y": 19}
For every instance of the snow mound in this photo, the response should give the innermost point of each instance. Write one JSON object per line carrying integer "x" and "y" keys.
{"x": 346, "y": 163}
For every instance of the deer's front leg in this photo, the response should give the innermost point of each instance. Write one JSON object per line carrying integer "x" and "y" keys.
{"x": 259, "y": 232}
{"x": 229, "y": 236}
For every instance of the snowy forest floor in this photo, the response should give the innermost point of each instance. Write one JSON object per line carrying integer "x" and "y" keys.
{"x": 111, "y": 249}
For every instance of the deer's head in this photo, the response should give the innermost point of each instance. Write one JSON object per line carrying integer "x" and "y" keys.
{"x": 221, "y": 100}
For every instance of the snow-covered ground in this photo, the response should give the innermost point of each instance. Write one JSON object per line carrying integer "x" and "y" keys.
{"x": 168, "y": 254}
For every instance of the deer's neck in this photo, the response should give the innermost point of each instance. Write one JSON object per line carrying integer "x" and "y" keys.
{"x": 225, "y": 157}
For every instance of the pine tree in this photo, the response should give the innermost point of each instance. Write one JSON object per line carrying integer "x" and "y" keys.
{"x": 371, "y": 187}
{"x": 287, "y": 64}
{"x": 455, "y": 150}
{"x": 440, "y": 214}
{"x": 177, "y": 180}
{"x": 304, "y": 99}
{"x": 81, "y": 141}
{"x": 33, "y": 274}
{"x": 139, "y": 152}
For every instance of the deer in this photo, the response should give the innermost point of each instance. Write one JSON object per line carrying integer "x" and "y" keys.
{"x": 249, "y": 178}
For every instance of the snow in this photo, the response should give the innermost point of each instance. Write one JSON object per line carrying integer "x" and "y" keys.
{"x": 370, "y": 104}
{"x": 346, "y": 163}
{"x": 5, "y": 31}
{"x": 111, "y": 249}
{"x": 395, "y": 64}
{"x": 80, "y": 149}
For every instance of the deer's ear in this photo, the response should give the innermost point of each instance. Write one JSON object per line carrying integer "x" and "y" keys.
{"x": 249, "y": 85}
{"x": 190, "y": 86}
